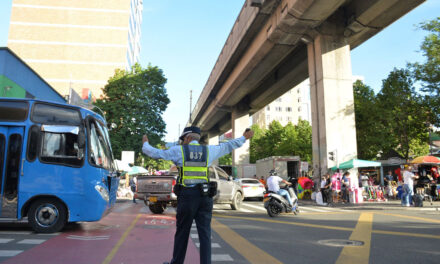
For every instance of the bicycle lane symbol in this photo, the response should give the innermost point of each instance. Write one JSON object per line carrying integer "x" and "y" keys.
{"x": 153, "y": 222}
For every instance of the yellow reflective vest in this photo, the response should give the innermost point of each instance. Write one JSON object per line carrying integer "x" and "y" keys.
{"x": 195, "y": 164}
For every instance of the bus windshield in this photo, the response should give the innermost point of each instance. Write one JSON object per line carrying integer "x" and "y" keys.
{"x": 100, "y": 152}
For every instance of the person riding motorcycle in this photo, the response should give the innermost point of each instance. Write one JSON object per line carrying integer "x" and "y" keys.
{"x": 273, "y": 185}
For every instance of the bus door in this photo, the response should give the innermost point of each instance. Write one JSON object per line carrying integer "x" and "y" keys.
{"x": 11, "y": 144}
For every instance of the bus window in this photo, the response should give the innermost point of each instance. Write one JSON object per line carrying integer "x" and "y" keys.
{"x": 55, "y": 115}
{"x": 60, "y": 146}
{"x": 32, "y": 143}
{"x": 13, "y": 110}
{"x": 100, "y": 153}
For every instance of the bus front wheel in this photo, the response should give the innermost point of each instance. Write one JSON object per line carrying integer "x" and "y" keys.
{"x": 47, "y": 215}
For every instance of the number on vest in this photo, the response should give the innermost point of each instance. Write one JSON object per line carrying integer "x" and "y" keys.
{"x": 195, "y": 155}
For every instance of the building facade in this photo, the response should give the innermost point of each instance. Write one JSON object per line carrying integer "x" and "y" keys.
{"x": 18, "y": 80}
{"x": 76, "y": 44}
{"x": 290, "y": 107}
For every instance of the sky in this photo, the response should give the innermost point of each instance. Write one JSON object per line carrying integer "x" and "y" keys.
{"x": 184, "y": 39}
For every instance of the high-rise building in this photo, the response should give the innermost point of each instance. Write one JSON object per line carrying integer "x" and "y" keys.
{"x": 290, "y": 107}
{"x": 76, "y": 44}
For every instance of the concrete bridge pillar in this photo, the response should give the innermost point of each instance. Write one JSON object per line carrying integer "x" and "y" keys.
{"x": 240, "y": 121}
{"x": 213, "y": 140}
{"x": 332, "y": 103}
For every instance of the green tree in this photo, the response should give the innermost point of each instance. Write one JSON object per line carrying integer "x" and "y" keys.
{"x": 429, "y": 71}
{"x": 370, "y": 133}
{"x": 403, "y": 112}
{"x": 225, "y": 160}
{"x": 290, "y": 140}
{"x": 133, "y": 104}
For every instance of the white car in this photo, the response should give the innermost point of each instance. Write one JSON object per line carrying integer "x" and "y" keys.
{"x": 252, "y": 188}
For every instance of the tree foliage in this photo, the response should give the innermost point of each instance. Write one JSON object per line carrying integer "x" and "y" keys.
{"x": 403, "y": 110}
{"x": 133, "y": 104}
{"x": 290, "y": 140}
{"x": 429, "y": 71}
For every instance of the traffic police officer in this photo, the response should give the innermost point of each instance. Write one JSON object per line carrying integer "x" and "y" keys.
{"x": 194, "y": 192}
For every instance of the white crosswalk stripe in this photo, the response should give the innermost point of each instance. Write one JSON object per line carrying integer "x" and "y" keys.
{"x": 253, "y": 207}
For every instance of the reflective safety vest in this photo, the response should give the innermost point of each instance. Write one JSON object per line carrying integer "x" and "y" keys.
{"x": 195, "y": 164}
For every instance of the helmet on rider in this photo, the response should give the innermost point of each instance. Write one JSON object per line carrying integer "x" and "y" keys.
{"x": 273, "y": 173}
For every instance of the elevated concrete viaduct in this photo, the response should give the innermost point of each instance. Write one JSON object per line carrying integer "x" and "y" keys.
{"x": 275, "y": 45}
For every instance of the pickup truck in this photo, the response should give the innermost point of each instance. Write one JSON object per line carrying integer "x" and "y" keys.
{"x": 158, "y": 191}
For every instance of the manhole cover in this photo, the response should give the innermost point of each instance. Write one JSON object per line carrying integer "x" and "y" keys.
{"x": 341, "y": 243}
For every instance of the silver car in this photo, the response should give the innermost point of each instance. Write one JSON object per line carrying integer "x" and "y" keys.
{"x": 228, "y": 190}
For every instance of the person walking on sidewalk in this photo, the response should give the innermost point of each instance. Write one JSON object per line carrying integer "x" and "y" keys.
{"x": 194, "y": 191}
{"x": 408, "y": 186}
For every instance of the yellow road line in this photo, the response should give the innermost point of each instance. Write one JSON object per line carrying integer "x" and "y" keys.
{"x": 362, "y": 232}
{"x": 384, "y": 232}
{"x": 287, "y": 223}
{"x": 248, "y": 250}
{"x": 121, "y": 240}
{"x": 413, "y": 217}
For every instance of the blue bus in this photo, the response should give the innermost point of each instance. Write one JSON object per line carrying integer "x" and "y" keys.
{"x": 56, "y": 164}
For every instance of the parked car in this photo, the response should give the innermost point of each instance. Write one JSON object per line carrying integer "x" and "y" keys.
{"x": 158, "y": 191}
{"x": 228, "y": 190}
{"x": 252, "y": 188}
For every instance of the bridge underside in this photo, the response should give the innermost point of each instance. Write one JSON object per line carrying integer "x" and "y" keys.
{"x": 271, "y": 49}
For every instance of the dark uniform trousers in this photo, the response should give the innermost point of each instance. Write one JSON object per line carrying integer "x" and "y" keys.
{"x": 192, "y": 205}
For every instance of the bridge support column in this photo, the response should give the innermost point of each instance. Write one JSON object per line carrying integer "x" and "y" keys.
{"x": 213, "y": 140}
{"x": 240, "y": 156}
{"x": 332, "y": 103}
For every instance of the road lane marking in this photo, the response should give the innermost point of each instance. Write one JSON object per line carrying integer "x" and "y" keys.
{"x": 31, "y": 241}
{"x": 9, "y": 253}
{"x": 384, "y": 232}
{"x": 213, "y": 245}
{"x": 255, "y": 207}
{"x": 121, "y": 240}
{"x": 287, "y": 223}
{"x": 412, "y": 217}
{"x": 5, "y": 240}
{"x": 221, "y": 257}
{"x": 362, "y": 232}
{"x": 248, "y": 250}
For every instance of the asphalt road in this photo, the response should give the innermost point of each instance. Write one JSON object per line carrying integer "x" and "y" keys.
{"x": 131, "y": 234}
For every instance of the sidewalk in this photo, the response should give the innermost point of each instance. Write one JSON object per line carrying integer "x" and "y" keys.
{"x": 367, "y": 205}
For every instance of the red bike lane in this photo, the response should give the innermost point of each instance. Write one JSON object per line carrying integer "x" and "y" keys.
{"x": 127, "y": 235}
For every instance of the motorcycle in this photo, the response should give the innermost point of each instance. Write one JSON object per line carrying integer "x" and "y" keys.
{"x": 276, "y": 204}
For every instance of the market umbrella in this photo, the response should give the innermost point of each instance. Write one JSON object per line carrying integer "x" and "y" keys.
{"x": 426, "y": 160}
{"x": 357, "y": 163}
{"x": 122, "y": 166}
{"x": 305, "y": 182}
{"x": 137, "y": 170}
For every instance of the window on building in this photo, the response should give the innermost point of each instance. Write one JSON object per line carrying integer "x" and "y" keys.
{"x": 289, "y": 118}
{"x": 278, "y": 109}
{"x": 279, "y": 99}
{"x": 299, "y": 109}
{"x": 288, "y": 109}
{"x": 268, "y": 117}
{"x": 268, "y": 108}
{"x": 299, "y": 99}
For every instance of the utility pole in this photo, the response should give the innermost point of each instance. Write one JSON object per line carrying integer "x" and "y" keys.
{"x": 190, "y": 104}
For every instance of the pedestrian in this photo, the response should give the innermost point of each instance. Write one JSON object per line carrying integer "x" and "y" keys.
{"x": 133, "y": 182}
{"x": 344, "y": 187}
{"x": 263, "y": 181}
{"x": 194, "y": 191}
{"x": 325, "y": 188}
{"x": 408, "y": 186}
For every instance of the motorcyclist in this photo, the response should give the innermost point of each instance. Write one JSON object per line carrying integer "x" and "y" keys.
{"x": 273, "y": 185}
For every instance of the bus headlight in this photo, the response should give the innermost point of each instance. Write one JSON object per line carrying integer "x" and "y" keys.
{"x": 103, "y": 192}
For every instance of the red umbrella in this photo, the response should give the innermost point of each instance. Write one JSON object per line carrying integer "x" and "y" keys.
{"x": 425, "y": 160}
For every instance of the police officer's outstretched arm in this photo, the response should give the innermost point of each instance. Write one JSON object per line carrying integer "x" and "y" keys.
{"x": 166, "y": 154}
{"x": 226, "y": 147}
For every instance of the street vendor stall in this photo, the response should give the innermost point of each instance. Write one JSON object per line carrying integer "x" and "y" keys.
{"x": 356, "y": 193}
{"x": 428, "y": 183}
